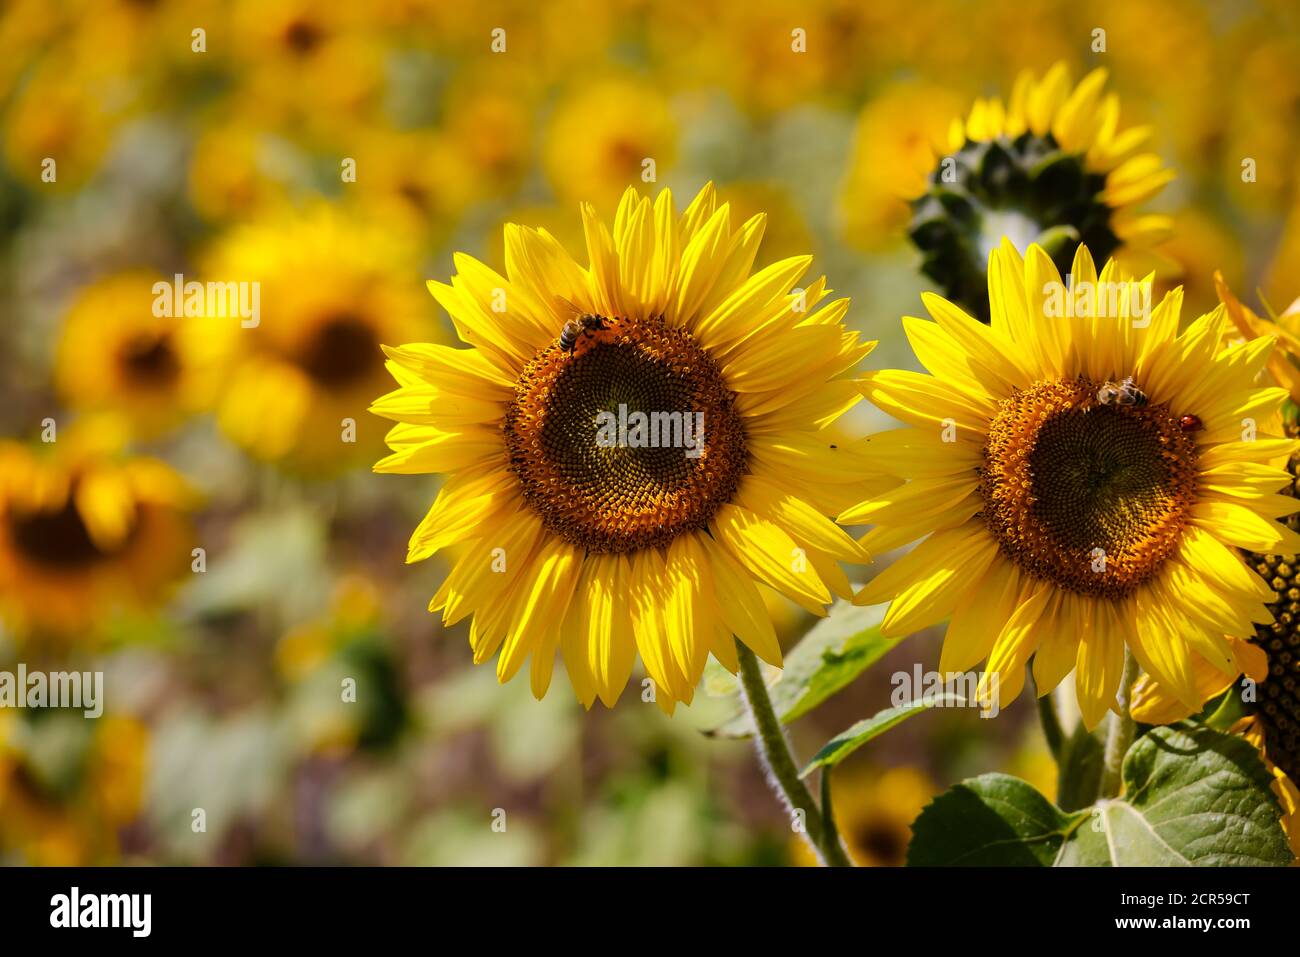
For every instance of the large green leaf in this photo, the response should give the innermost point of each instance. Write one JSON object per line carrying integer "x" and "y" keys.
{"x": 1192, "y": 796}
{"x": 833, "y": 652}
{"x": 990, "y": 821}
{"x": 846, "y": 742}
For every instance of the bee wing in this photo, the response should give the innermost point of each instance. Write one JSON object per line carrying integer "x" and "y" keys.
{"x": 563, "y": 305}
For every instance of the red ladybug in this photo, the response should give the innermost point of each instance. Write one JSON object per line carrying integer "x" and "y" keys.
{"x": 1190, "y": 423}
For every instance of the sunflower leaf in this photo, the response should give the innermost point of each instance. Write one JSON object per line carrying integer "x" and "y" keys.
{"x": 1193, "y": 796}
{"x": 993, "y": 820}
{"x": 855, "y": 736}
{"x": 830, "y": 656}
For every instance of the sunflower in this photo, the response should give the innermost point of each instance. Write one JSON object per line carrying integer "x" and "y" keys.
{"x": 602, "y": 548}
{"x": 84, "y": 532}
{"x": 1086, "y": 479}
{"x": 238, "y": 171}
{"x": 68, "y": 785}
{"x": 601, "y": 136}
{"x": 489, "y": 119}
{"x": 61, "y": 113}
{"x": 1266, "y": 664}
{"x": 116, "y": 356}
{"x": 416, "y": 177}
{"x": 316, "y": 68}
{"x": 330, "y": 291}
{"x": 1051, "y": 167}
{"x": 893, "y": 154}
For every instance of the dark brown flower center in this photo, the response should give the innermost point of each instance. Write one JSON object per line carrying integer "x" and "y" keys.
{"x": 55, "y": 538}
{"x": 1089, "y": 496}
{"x": 882, "y": 841}
{"x": 150, "y": 360}
{"x": 342, "y": 350}
{"x": 628, "y": 441}
{"x": 303, "y": 36}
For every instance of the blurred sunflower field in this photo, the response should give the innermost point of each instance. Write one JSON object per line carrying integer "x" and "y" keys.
{"x": 188, "y": 501}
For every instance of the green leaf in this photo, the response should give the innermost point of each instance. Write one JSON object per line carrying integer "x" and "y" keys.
{"x": 1193, "y": 796}
{"x": 993, "y": 820}
{"x": 846, "y": 742}
{"x": 830, "y": 656}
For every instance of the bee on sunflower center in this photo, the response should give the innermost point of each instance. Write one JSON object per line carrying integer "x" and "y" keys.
{"x": 1122, "y": 393}
{"x": 577, "y": 327}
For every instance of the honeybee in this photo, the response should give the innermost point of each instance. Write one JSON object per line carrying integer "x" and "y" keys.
{"x": 1123, "y": 393}
{"x": 575, "y": 328}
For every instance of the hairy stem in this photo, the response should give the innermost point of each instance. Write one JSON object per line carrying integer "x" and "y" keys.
{"x": 1119, "y": 735}
{"x": 782, "y": 773}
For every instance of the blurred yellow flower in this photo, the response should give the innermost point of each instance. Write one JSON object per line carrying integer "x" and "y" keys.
{"x": 239, "y": 171}
{"x": 59, "y": 125}
{"x": 787, "y": 232}
{"x": 84, "y": 532}
{"x": 116, "y": 356}
{"x": 874, "y": 812}
{"x": 566, "y": 543}
{"x": 769, "y": 55}
{"x": 1261, "y": 123}
{"x": 893, "y": 152}
{"x": 490, "y": 119}
{"x": 416, "y": 179}
{"x": 333, "y": 286}
{"x": 25, "y": 31}
{"x": 64, "y": 797}
{"x": 1280, "y": 279}
{"x": 1199, "y": 244}
{"x": 602, "y": 138}
{"x": 316, "y": 68}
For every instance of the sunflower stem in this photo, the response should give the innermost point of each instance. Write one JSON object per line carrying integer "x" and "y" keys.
{"x": 783, "y": 773}
{"x": 1051, "y": 723}
{"x": 1120, "y": 733}
{"x": 830, "y": 834}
